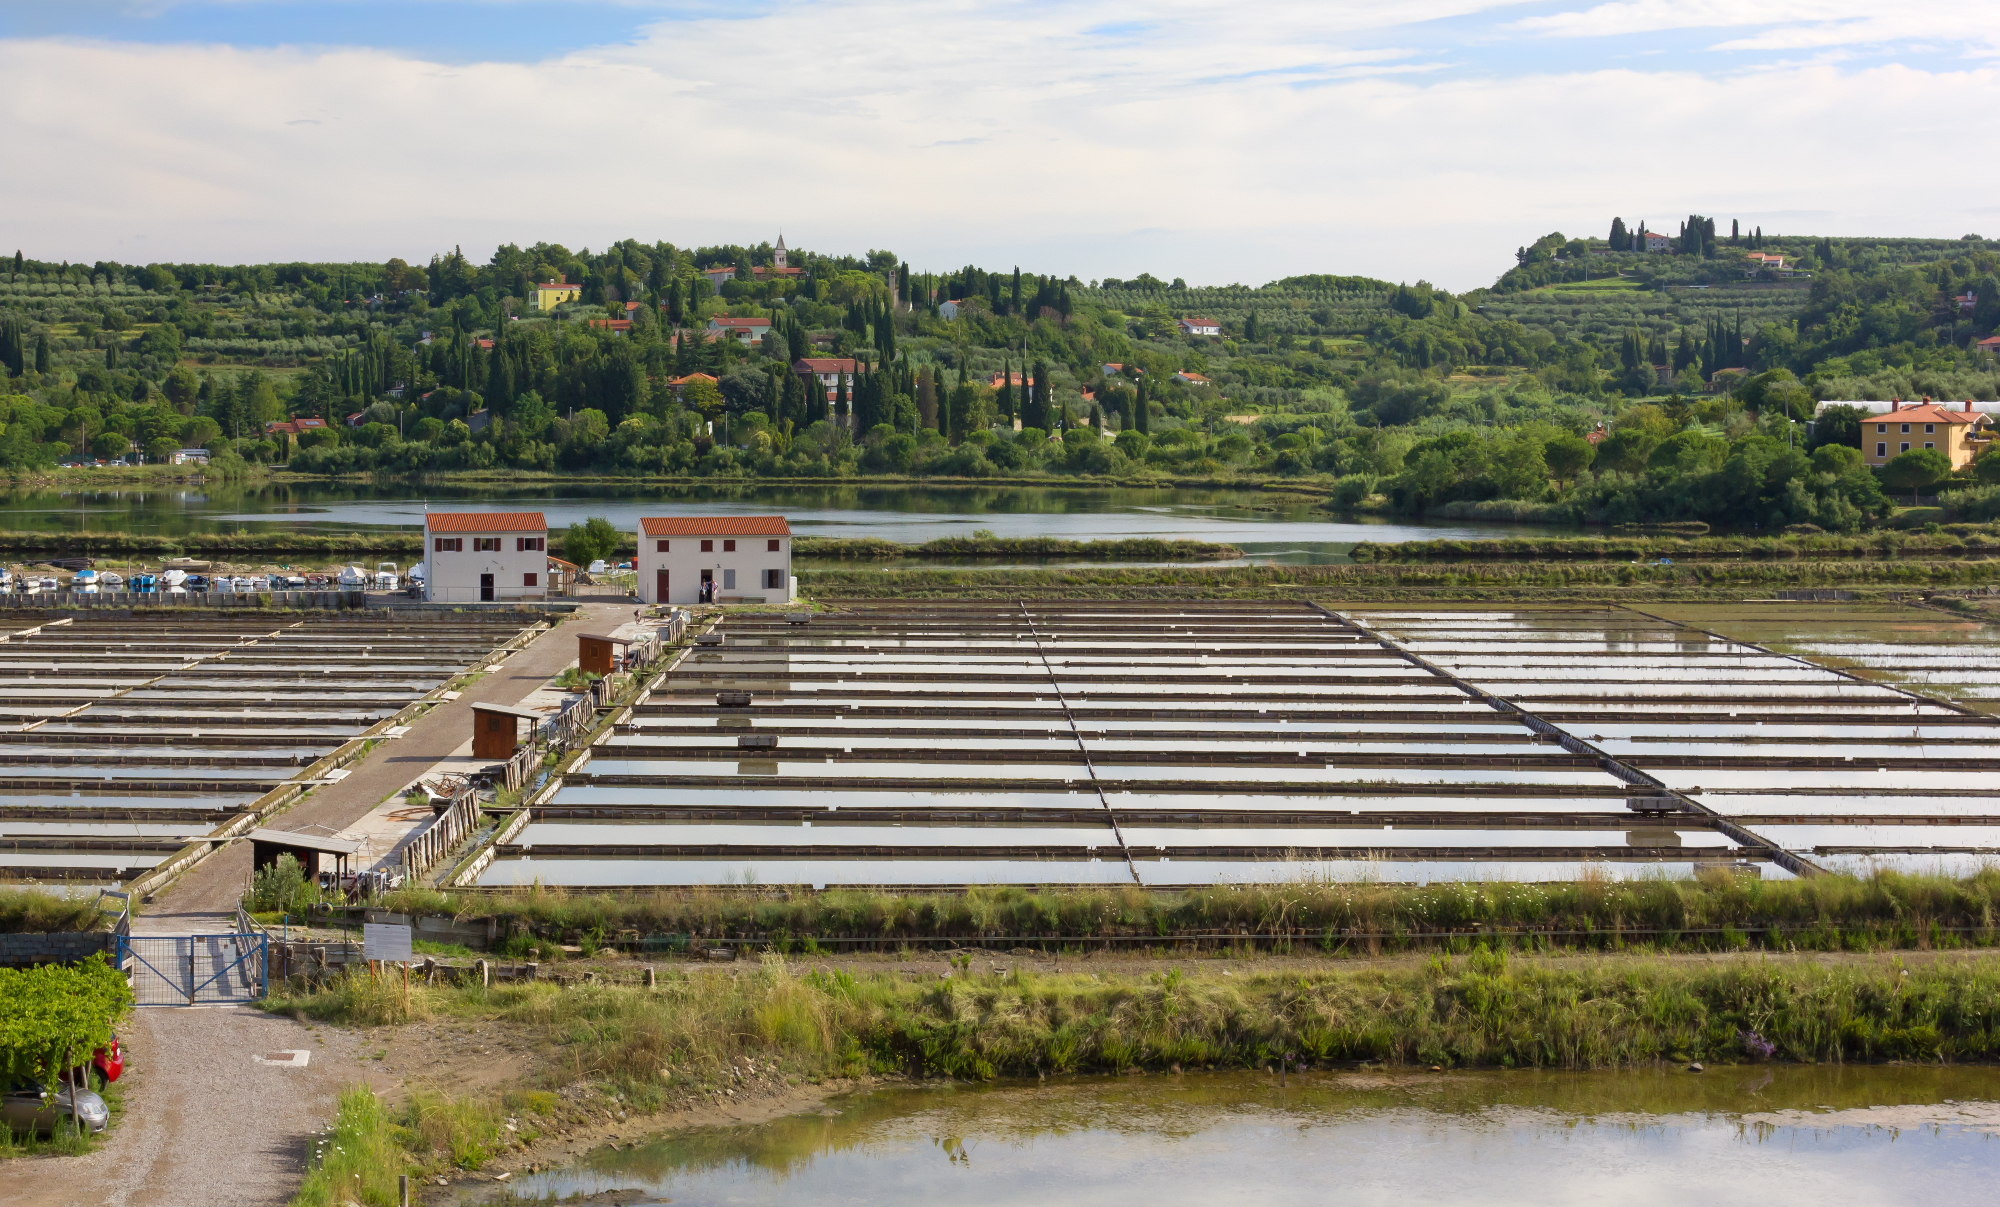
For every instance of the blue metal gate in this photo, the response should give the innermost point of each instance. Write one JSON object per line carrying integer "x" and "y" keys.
{"x": 195, "y": 970}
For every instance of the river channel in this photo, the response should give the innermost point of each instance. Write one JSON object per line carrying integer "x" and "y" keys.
{"x": 1268, "y": 527}
{"x": 1753, "y": 1135}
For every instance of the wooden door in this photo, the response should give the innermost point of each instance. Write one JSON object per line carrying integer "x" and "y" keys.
{"x": 660, "y": 587}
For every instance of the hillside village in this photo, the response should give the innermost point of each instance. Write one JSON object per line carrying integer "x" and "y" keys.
{"x": 1596, "y": 379}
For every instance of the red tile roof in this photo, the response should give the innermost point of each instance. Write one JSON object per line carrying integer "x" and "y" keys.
{"x": 613, "y": 324}
{"x": 726, "y": 321}
{"x": 1927, "y": 412}
{"x": 485, "y": 521}
{"x": 823, "y": 364}
{"x": 715, "y": 525}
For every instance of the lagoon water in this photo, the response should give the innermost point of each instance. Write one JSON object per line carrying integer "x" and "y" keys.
{"x": 1751, "y": 1135}
{"x": 1269, "y": 528}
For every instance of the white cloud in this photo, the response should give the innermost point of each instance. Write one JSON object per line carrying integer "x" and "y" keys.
{"x": 951, "y": 133}
{"x": 1784, "y": 24}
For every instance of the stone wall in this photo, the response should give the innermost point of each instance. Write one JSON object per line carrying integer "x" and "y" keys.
{"x": 61, "y": 947}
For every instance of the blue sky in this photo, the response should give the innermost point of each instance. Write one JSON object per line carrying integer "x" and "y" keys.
{"x": 1400, "y": 138}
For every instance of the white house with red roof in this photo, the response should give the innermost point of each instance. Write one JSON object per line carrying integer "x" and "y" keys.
{"x": 485, "y": 556}
{"x": 747, "y": 331}
{"x": 1194, "y": 324}
{"x": 715, "y": 559}
{"x": 1655, "y": 241}
{"x": 826, "y": 370}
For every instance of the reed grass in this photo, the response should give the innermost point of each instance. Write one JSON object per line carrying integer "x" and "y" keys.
{"x": 357, "y": 1159}
{"x": 1825, "y": 913}
{"x": 25, "y": 910}
{"x": 1397, "y": 581}
{"x": 986, "y": 546}
{"x": 1481, "y": 1009}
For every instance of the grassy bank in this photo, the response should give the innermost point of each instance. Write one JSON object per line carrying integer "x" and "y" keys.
{"x": 35, "y": 911}
{"x": 1951, "y": 543}
{"x": 986, "y": 546}
{"x": 1716, "y": 911}
{"x": 655, "y": 1047}
{"x": 1380, "y": 581}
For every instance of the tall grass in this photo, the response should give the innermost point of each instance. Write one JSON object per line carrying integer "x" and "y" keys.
{"x": 25, "y": 910}
{"x": 358, "y": 1159}
{"x": 1889, "y": 909}
{"x": 1482, "y": 1009}
{"x": 1471, "y": 578}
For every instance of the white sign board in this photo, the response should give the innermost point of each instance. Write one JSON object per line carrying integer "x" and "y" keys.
{"x": 382, "y": 941}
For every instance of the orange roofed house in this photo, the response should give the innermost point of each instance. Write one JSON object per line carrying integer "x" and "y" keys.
{"x": 485, "y": 556}
{"x": 715, "y": 559}
{"x": 1959, "y": 435}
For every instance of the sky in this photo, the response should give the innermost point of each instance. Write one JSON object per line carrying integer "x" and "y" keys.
{"x": 1401, "y": 139}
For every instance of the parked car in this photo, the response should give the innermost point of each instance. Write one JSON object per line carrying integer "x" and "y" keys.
{"x": 24, "y": 1109}
{"x": 597, "y": 567}
{"x": 196, "y": 582}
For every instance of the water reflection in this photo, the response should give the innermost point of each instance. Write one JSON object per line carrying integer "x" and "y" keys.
{"x": 1269, "y": 527}
{"x": 1734, "y": 1135}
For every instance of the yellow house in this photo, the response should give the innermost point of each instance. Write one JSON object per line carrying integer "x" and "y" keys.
{"x": 1959, "y": 435}
{"x": 552, "y": 294}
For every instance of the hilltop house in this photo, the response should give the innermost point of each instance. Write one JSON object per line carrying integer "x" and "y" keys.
{"x": 1195, "y": 325}
{"x": 747, "y": 331}
{"x": 726, "y": 559}
{"x": 679, "y": 383}
{"x": 551, "y": 294}
{"x": 614, "y": 326}
{"x": 485, "y": 556}
{"x": 1959, "y": 435}
{"x": 1190, "y": 379}
{"x": 1990, "y": 344}
{"x": 1655, "y": 241}
{"x": 826, "y": 370}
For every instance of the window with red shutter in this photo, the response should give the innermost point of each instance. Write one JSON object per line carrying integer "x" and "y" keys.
{"x": 530, "y": 580}
{"x": 708, "y": 546}
{"x": 729, "y": 546}
{"x": 772, "y": 546}
{"x": 662, "y": 548}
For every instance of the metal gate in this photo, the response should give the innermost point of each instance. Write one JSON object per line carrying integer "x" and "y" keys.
{"x": 195, "y": 970}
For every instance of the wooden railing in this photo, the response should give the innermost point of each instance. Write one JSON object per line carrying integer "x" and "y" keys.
{"x": 446, "y": 830}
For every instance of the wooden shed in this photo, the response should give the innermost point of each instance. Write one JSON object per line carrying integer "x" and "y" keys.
{"x": 496, "y": 729}
{"x": 597, "y": 653}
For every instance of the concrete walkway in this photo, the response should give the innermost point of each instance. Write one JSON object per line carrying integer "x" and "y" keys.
{"x": 208, "y": 893}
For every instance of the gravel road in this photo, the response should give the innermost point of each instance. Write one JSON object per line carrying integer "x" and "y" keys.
{"x": 205, "y": 1125}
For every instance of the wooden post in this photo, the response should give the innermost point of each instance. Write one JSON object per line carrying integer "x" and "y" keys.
{"x": 651, "y": 983}
{"x": 485, "y": 974}
{"x": 403, "y": 1190}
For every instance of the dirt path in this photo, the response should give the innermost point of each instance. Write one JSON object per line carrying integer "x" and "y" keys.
{"x": 205, "y": 1124}
{"x": 207, "y": 894}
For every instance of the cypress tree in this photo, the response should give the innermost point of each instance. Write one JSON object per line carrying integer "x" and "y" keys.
{"x": 840, "y": 397}
{"x": 111, "y": 355}
{"x": 1734, "y": 238}
{"x": 17, "y": 261}
{"x": 1620, "y": 240}
{"x": 1006, "y": 399}
{"x": 1041, "y": 389}
{"x": 1017, "y": 289}
{"x": 1142, "y": 418}
{"x": 42, "y": 352}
